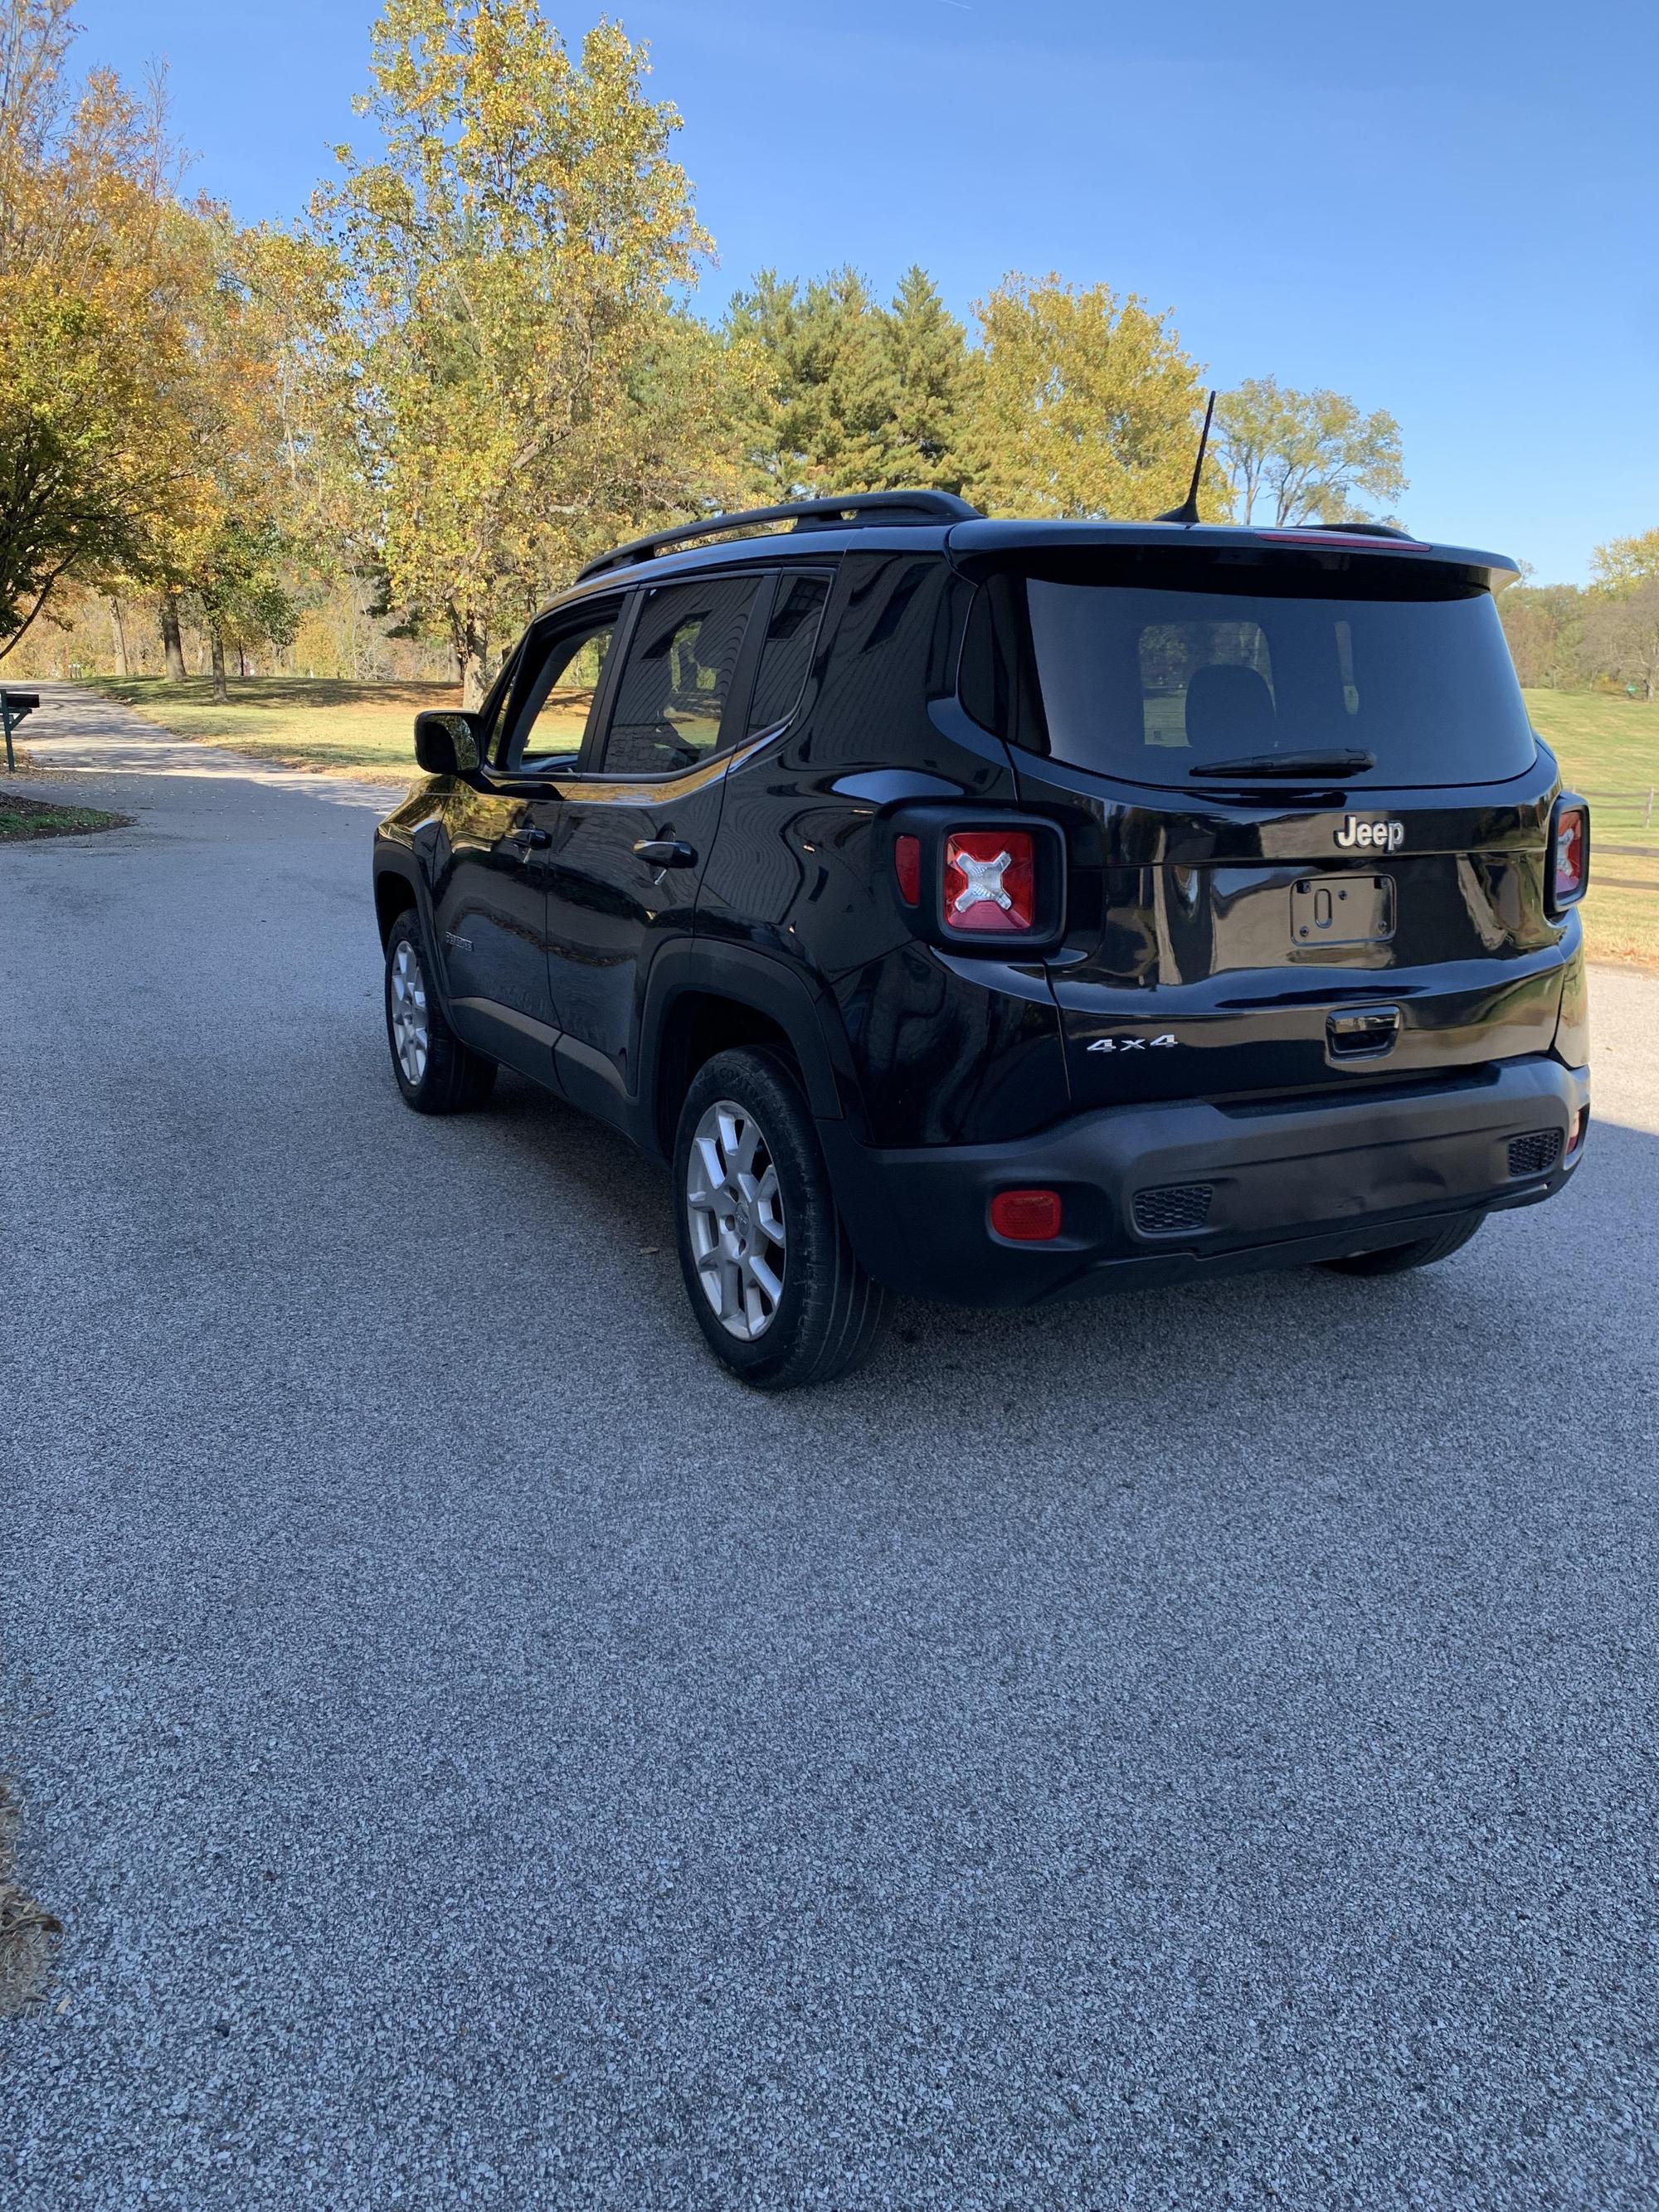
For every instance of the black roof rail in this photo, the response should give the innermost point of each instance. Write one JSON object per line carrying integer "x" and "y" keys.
{"x": 859, "y": 507}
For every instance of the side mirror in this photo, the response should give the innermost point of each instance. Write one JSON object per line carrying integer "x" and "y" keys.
{"x": 445, "y": 742}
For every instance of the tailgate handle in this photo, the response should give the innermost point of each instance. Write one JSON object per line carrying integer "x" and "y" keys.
{"x": 1366, "y": 1035}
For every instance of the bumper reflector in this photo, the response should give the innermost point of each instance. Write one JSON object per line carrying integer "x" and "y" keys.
{"x": 1026, "y": 1217}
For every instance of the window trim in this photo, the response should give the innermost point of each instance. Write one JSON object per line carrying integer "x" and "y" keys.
{"x": 591, "y": 768}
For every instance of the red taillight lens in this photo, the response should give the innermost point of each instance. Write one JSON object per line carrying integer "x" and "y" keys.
{"x": 1571, "y": 851}
{"x": 1578, "y": 1128}
{"x": 907, "y": 866}
{"x": 1028, "y": 1217}
{"x": 990, "y": 880}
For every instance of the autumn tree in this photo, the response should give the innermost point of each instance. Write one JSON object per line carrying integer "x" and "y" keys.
{"x": 1624, "y": 561}
{"x": 1310, "y": 456}
{"x": 1084, "y": 404}
{"x": 525, "y": 386}
{"x": 1545, "y": 626}
{"x": 95, "y": 452}
{"x": 1621, "y": 633}
{"x": 249, "y": 302}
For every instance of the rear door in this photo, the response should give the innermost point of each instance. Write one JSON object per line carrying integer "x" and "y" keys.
{"x": 1306, "y": 821}
{"x": 636, "y": 825}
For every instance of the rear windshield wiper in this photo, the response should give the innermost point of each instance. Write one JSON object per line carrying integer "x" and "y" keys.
{"x": 1296, "y": 764}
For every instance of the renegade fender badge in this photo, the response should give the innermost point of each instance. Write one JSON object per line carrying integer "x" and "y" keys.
{"x": 1390, "y": 836}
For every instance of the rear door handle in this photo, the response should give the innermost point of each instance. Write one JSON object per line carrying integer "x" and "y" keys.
{"x": 532, "y": 840}
{"x": 665, "y": 852}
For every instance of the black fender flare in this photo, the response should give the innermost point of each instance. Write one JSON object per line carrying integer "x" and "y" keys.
{"x": 391, "y": 860}
{"x": 805, "y": 1010}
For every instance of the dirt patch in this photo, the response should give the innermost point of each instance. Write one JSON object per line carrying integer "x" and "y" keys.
{"x": 23, "y": 818}
{"x": 28, "y": 1936}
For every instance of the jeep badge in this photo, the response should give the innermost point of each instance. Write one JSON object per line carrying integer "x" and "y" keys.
{"x": 1391, "y": 835}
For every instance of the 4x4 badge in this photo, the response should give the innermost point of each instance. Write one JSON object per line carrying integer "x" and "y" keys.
{"x": 1129, "y": 1044}
{"x": 1391, "y": 835}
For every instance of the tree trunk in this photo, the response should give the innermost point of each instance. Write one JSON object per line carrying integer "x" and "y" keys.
{"x": 170, "y": 638}
{"x": 216, "y": 637}
{"x": 471, "y": 644}
{"x": 119, "y": 629}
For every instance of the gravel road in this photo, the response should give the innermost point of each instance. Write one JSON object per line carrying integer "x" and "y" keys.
{"x": 1193, "y": 1750}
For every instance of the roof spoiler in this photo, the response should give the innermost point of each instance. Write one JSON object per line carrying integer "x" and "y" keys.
{"x": 852, "y": 508}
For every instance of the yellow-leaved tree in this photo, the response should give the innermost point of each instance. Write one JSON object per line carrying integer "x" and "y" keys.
{"x": 95, "y": 458}
{"x": 526, "y": 383}
{"x": 249, "y": 304}
{"x": 1083, "y": 404}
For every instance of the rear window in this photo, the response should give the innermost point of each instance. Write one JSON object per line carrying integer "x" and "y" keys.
{"x": 1153, "y": 683}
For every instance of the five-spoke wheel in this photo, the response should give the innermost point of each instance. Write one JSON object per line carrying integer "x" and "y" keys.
{"x": 776, "y": 1287}
{"x": 436, "y": 1071}
{"x": 411, "y": 1040}
{"x": 734, "y": 1206}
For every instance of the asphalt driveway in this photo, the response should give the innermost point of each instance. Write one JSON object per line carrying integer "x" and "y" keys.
{"x": 1198, "y": 1749}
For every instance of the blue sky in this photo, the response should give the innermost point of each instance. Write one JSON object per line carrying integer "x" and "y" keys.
{"x": 1449, "y": 210}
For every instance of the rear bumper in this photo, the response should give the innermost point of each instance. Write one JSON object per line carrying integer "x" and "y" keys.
{"x": 1282, "y": 1184}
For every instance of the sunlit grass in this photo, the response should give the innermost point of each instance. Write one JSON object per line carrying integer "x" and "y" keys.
{"x": 1608, "y": 749}
{"x": 300, "y": 721}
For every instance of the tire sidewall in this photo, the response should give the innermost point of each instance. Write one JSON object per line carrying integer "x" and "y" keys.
{"x": 405, "y": 930}
{"x": 760, "y": 1082}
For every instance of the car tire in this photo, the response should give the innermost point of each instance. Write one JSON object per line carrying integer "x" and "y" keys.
{"x": 753, "y": 1204}
{"x": 436, "y": 1071}
{"x": 1397, "y": 1258}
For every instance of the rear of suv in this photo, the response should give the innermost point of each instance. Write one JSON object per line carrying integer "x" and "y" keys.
{"x": 1006, "y": 911}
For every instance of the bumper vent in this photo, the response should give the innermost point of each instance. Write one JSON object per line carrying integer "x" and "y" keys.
{"x": 1173, "y": 1205}
{"x": 1533, "y": 1154}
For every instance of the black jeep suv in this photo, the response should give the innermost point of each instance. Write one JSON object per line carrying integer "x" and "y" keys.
{"x": 1002, "y": 911}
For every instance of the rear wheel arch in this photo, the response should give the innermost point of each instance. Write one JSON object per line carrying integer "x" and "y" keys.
{"x": 702, "y": 1000}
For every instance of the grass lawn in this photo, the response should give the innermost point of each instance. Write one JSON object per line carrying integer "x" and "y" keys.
{"x": 37, "y": 817}
{"x": 1608, "y": 749}
{"x": 299, "y": 722}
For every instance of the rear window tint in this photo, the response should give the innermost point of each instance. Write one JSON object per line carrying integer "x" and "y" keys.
{"x": 1153, "y": 683}
{"x": 677, "y": 678}
{"x": 788, "y": 652}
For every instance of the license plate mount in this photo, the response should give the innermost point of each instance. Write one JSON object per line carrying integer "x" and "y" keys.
{"x": 1356, "y": 909}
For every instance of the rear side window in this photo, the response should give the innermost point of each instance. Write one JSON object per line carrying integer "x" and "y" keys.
{"x": 1153, "y": 683}
{"x": 675, "y": 682}
{"x": 786, "y": 654}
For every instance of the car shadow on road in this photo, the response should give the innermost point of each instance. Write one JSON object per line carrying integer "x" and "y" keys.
{"x": 1269, "y": 1341}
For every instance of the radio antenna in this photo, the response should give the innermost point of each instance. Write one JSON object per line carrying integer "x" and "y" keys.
{"x": 1188, "y": 511}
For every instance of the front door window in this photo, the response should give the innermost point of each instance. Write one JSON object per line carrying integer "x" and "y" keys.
{"x": 556, "y": 694}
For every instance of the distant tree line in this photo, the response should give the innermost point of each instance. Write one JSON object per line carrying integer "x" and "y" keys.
{"x": 385, "y": 435}
{"x": 1565, "y": 639}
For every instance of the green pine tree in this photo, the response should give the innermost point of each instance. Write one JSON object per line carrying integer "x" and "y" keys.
{"x": 855, "y": 397}
{"x": 928, "y": 363}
